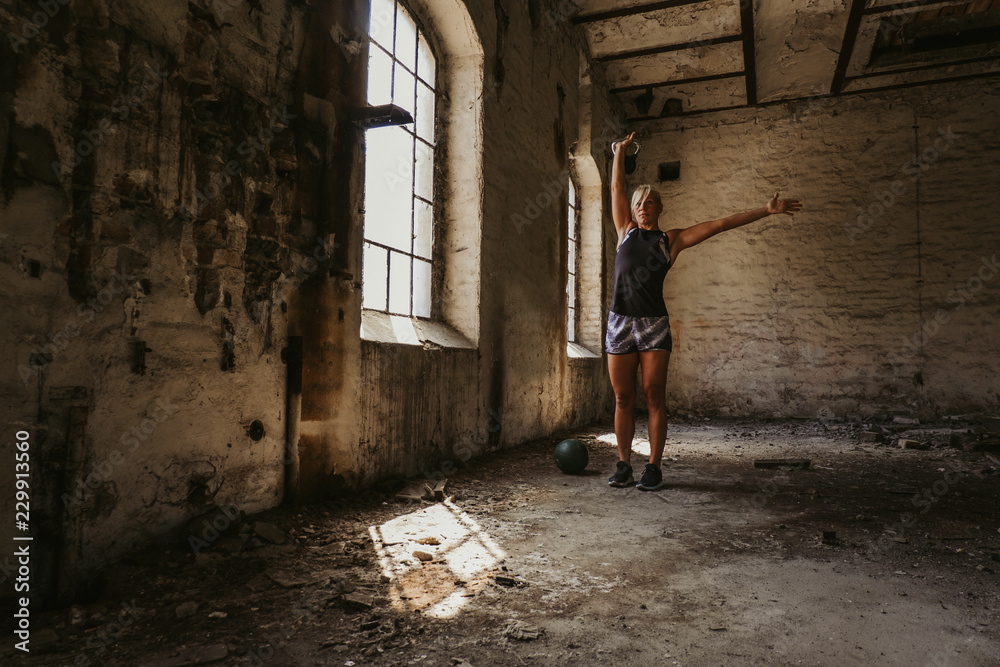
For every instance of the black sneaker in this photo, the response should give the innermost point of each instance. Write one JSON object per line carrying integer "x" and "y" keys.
{"x": 623, "y": 475}
{"x": 652, "y": 478}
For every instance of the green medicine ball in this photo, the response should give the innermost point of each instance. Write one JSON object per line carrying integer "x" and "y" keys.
{"x": 571, "y": 456}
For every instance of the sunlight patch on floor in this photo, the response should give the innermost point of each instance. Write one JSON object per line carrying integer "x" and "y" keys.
{"x": 640, "y": 446}
{"x": 462, "y": 556}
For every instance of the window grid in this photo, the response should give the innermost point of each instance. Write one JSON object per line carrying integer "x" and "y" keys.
{"x": 572, "y": 284}
{"x": 383, "y": 259}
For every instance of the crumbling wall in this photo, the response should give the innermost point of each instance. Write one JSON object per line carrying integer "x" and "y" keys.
{"x": 880, "y": 296}
{"x": 148, "y": 215}
{"x": 181, "y": 259}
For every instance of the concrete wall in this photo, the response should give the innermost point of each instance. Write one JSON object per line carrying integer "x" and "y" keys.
{"x": 425, "y": 410}
{"x": 184, "y": 290}
{"x": 824, "y": 311}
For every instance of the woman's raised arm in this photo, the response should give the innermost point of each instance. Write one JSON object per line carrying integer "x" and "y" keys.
{"x": 620, "y": 210}
{"x": 695, "y": 234}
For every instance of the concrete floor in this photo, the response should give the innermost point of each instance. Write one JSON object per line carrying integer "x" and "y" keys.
{"x": 725, "y": 565}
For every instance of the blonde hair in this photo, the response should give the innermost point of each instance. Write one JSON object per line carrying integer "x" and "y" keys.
{"x": 644, "y": 191}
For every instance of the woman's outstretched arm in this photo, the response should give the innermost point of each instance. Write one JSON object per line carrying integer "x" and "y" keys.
{"x": 620, "y": 211}
{"x": 695, "y": 234}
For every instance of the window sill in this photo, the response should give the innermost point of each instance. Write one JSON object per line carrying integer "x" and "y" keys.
{"x": 576, "y": 351}
{"x": 380, "y": 327}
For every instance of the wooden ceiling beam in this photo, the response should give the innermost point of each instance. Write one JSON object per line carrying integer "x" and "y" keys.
{"x": 656, "y": 50}
{"x": 749, "y": 51}
{"x": 804, "y": 98}
{"x": 676, "y": 82}
{"x": 630, "y": 11}
{"x": 847, "y": 46}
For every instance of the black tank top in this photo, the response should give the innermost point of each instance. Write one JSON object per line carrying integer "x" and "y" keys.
{"x": 641, "y": 265}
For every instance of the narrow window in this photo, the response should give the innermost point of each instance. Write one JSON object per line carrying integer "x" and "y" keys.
{"x": 572, "y": 299}
{"x": 399, "y": 167}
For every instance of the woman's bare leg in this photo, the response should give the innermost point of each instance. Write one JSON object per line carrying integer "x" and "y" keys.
{"x": 622, "y": 369}
{"x": 654, "y": 385}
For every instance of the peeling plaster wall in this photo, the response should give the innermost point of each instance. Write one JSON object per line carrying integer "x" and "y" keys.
{"x": 184, "y": 291}
{"x": 822, "y": 311}
{"x": 148, "y": 212}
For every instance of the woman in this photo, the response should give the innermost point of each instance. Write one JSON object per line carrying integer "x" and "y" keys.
{"x": 638, "y": 324}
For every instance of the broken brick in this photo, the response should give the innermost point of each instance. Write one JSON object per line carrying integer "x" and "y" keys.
{"x": 912, "y": 444}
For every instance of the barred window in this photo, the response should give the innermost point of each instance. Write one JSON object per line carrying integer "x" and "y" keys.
{"x": 572, "y": 285}
{"x": 399, "y": 167}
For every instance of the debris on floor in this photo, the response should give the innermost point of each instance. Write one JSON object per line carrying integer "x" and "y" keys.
{"x": 509, "y": 582}
{"x": 270, "y": 532}
{"x": 190, "y": 655}
{"x": 519, "y": 562}
{"x": 905, "y": 443}
{"x": 421, "y": 491}
{"x": 521, "y": 631}
{"x": 795, "y": 464}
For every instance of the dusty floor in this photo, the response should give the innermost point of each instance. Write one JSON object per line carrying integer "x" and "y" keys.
{"x": 726, "y": 565}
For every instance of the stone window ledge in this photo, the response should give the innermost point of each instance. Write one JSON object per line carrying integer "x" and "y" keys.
{"x": 575, "y": 351}
{"x": 396, "y": 329}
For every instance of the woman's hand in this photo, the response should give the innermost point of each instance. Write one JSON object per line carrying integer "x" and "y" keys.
{"x": 624, "y": 143}
{"x": 788, "y": 206}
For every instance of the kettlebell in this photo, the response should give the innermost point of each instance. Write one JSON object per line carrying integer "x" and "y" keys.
{"x": 630, "y": 160}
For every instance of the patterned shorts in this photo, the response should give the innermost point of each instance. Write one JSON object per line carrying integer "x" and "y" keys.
{"x": 627, "y": 334}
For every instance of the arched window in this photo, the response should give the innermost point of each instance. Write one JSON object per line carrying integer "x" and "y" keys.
{"x": 421, "y": 259}
{"x": 572, "y": 284}
{"x": 587, "y": 228}
{"x": 399, "y": 167}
